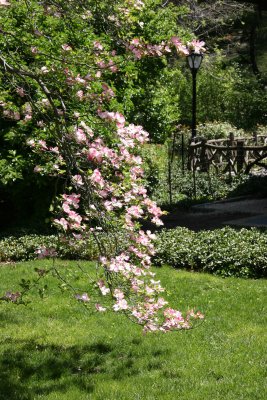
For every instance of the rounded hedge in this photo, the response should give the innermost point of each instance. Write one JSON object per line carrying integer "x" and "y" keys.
{"x": 225, "y": 252}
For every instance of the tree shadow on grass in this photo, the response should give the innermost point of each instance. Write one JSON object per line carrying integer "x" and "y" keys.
{"x": 41, "y": 369}
{"x": 33, "y": 369}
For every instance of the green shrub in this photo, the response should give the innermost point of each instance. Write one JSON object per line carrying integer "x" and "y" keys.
{"x": 23, "y": 248}
{"x": 214, "y": 130}
{"x": 225, "y": 252}
{"x": 209, "y": 186}
{"x": 218, "y": 130}
{"x": 26, "y": 247}
{"x": 253, "y": 185}
{"x": 154, "y": 157}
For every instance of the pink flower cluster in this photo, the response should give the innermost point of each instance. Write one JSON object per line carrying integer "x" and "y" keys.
{"x": 113, "y": 117}
{"x": 4, "y": 3}
{"x": 83, "y": 297}
{"x": 196, "y": 46}
{"x": 113, "y": 172}
{"x": 73, "y": 220}
{"x": 106, "y": 193}
{"x": 110, "y": 193}
{"x": 10, "y": 296}
{"x": 141, "y": 49}
{"x": 43, "y": 252}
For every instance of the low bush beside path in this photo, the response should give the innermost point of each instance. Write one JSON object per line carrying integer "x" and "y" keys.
{"x": 225, "y": 252}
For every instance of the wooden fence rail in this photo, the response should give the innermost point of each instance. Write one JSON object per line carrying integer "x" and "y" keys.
{"x": 232, "y": 155}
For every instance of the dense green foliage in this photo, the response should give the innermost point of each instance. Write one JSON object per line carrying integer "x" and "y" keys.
{"x": 164, "y": 168}
{"x": 153, "y": 92}
{"x": 225, "y": 252}
{"x": 55, "y": 350}
{"x": 208, "y": 186}
{"x": 227, "y": 92}
{"x": 141, "y": 86}
{"x": 26, "y": 247}
{"x": 50, "y": 52}
{"x": 218, "y": 130}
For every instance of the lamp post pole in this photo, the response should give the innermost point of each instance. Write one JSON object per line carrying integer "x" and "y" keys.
{"x": 194, "y": 102}
{"x": 194, "y": 62}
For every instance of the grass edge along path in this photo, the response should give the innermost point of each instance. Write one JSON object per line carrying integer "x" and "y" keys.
{"x": 52, "y": 349}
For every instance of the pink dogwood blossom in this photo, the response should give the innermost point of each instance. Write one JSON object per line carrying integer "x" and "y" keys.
{"x": 4, "y": 3}
{"x": 62, "y": 222}
{"x": 66, "y": 47}
{"x": 120, "y": 305}
{"x": 82, "y": 297}
{"x": 104, "y": 290}
{"x": 77, "y": 180}
{"x": 105, "y": 194}
{"x": 99, "y": 308}
{"x": 97, "y": 179}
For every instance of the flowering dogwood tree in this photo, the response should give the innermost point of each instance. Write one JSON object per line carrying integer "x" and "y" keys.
{"x": 66, "y": 100}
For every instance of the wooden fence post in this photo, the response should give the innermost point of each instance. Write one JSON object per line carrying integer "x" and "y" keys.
{"x": 191, "y": 155}
{"x": 203, "y": 159}
{"x": 240, "y": 155}
{"x": 182, "y": 151}
{"x": 230, "y": 143}
{"x": 231, "y": 137}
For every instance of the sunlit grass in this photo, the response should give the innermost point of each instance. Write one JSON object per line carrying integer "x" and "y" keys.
{"x": 53, "y": 349}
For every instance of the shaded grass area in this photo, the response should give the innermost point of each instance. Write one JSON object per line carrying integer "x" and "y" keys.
{"x": 53, "y": 349}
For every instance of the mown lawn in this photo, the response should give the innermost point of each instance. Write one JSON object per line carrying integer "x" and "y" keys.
{"x": 53, "y": 349}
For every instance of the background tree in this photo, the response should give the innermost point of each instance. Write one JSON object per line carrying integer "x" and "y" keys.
{"x": 41, "y": 61}
{"x": 62, "y": 78}
{"x": 153, "y": 92}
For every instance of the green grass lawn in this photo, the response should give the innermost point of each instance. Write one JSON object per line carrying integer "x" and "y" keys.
{"x": 54, "y": 349}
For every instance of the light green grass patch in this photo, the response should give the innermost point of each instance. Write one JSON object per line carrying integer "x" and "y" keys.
{"x": 54, "y": 349}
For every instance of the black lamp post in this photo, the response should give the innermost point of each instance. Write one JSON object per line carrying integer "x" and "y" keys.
{"x": 194, "y": 61}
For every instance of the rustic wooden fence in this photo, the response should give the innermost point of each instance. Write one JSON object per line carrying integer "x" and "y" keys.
{"x": 232, "y": 155}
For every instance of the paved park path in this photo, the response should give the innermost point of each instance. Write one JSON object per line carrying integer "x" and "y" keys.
{"x": 238, "y": 212}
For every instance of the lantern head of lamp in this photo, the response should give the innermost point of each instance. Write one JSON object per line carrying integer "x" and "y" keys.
{"x": 194, "y": 61}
